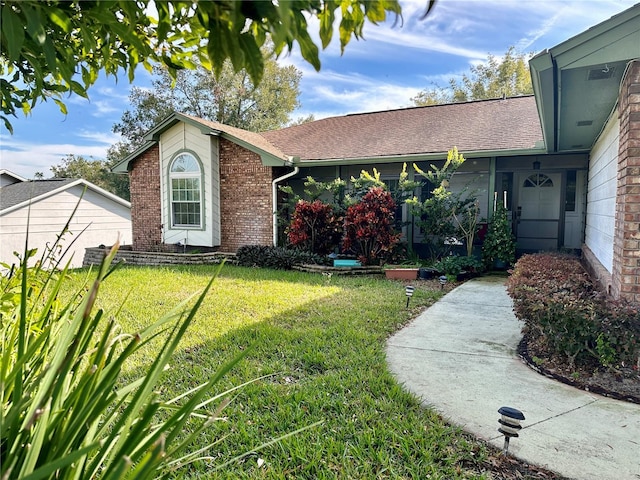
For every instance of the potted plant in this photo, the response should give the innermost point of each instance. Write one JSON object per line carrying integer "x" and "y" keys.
{"x": 457, "y": 268}
{"x": 499, "y": 246}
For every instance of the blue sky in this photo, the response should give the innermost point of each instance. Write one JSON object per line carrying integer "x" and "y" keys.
{"x": 382, "y": 72}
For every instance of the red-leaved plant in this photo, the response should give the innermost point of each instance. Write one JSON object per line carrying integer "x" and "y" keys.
{"x": 314, "y": 227}
{"x": 368, "y": 227}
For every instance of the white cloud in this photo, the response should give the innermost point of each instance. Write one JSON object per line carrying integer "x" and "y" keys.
{"x": 104, "y": 138}
{"x": 26, "y": 159}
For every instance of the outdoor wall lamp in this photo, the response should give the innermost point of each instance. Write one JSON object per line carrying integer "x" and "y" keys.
{"x": 510, "y": 424}
{"x": 536, "y": 165}
{"x": 443, "y": 281}
{"x": 409, "y": 291}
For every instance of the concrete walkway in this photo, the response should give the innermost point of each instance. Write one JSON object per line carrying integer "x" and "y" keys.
{"x": 459, "y": 357}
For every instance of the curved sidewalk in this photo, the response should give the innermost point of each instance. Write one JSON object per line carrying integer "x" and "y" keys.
{"x": 459, "y": 357}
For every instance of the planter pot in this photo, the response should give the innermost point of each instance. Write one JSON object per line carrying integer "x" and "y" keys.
{"x": 401, "y": 273}
{"x": 346, "y": 263}
{"x": 427, "y": 273}
{"x": 463, "y": 276}
{"x": 500, "y": 265}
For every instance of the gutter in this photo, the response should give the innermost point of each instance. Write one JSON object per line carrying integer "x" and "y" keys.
{"x": 419, "y": 157}
{"x": 274, "y": 193}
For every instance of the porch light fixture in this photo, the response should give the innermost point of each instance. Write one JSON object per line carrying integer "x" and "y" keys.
{"x": 443, "y": 281}
{"x": 536, "y": 165}
{"x": 509, "y": 424}
{"x": 409, "y": 291}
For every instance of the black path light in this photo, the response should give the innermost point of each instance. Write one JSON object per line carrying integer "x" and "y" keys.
{"x": 443, "y": 281}
{"x": 509, "y": 424}
{"x": 409, "y": 291}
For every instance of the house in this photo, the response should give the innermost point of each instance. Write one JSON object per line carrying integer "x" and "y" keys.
{"x": 45, "y": 206}
{"x": 567, "y": 157}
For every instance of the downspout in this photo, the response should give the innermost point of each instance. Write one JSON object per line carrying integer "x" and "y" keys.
{"x": 556, "y": 101}
{"x": 274, "y": 193}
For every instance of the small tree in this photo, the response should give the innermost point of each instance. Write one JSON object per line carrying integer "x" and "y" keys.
{"x": 466, "y": 217}
{"x": 438, "y": 215}
{"x": 314, "y": 227}
{"x": 499, "y": 243}
{"x": 368, "y": 227}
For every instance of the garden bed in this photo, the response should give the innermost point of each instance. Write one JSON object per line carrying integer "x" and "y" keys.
{"x": 623, "y": 383}
{"x": 573, "y": 332}
{"x": 326, "y": 270}
{"x": 94, "y": 256}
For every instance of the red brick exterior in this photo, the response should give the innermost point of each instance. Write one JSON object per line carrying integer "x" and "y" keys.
{"x": 146, "y": 215}
{"x": 246, "y": 212}
{"x": 246, "y": 206}
{"x": 626, "y": 247}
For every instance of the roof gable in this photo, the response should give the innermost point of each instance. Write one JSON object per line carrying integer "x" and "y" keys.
{"x": 576, "y": 83}
{"x": 269, "y": 154}
{"x": 7, "y": 177}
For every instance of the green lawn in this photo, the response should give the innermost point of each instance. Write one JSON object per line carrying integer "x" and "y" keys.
{"x": 320, "y": 341}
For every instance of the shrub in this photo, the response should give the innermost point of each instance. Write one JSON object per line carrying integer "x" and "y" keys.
{"x": 66, "y": 411}
{"x": 276, "y": 257}
{"x": 567, "y": 315}
{"x": 499, "y": 243}
{"x": 368, "y": 227}
{"x": 314, "y": 227}
{"x": 454, "y": 264}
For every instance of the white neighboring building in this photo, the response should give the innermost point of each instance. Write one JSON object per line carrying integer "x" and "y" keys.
{"x": 45, "y": 206}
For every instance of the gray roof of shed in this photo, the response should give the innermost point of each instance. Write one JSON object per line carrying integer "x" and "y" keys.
{"x": 17, "y": 193}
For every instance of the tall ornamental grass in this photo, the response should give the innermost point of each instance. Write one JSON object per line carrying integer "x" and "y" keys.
{"x": 66, "y": 412}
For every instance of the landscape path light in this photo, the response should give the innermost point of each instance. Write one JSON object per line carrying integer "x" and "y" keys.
{"x": 409, "y": 291}
{"x": 509, "y": 424}
{"x": 443, "y": 281}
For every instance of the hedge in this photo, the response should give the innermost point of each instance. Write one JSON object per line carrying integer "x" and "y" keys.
{"x": 565, "y": 314}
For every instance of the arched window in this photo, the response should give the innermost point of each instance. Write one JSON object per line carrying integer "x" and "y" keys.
{"x": 538, "y": 180}
{"x": 186, "y": 191}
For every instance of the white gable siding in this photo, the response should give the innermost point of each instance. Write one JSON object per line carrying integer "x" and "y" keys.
{"x": 107, "y": 222}
{"x": 183, "y": 137}
{"x": 601, "y": 194}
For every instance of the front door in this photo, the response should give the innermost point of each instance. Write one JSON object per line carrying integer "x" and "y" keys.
{"x": 538, "y": 211}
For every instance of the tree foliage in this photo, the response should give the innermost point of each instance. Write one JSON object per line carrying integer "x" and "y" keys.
{"x": 507, "y": 76}
{"x": 231, "y": 98}
{"x": 441, "y": 216}
{"x": 94, "y": 171}
{"x": 50, "y": 48}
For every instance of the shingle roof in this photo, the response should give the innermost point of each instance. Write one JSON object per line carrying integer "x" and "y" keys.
{"x": 252, "y": 138}
{"x": 17, "y": 193}
{"x": 488, "y": 125}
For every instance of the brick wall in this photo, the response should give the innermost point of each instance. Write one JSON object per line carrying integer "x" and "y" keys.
{"x": 626, "y": 247}
{"x": 146, "y": 215}
{"x": 246, "y": 212}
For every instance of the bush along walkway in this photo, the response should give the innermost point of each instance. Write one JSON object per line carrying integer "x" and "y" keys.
{"x": 459, "y": 357}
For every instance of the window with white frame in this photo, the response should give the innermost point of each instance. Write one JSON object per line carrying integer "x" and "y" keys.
{"x": 186, "y": 191}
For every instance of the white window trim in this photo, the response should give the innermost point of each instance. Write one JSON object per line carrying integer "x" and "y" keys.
{"x": 189, "y": 175}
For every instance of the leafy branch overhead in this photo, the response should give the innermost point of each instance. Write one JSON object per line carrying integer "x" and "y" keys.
{"x": 55, "y": 47}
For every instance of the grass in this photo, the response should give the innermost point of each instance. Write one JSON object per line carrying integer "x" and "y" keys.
{"x": 319, "y": 345}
